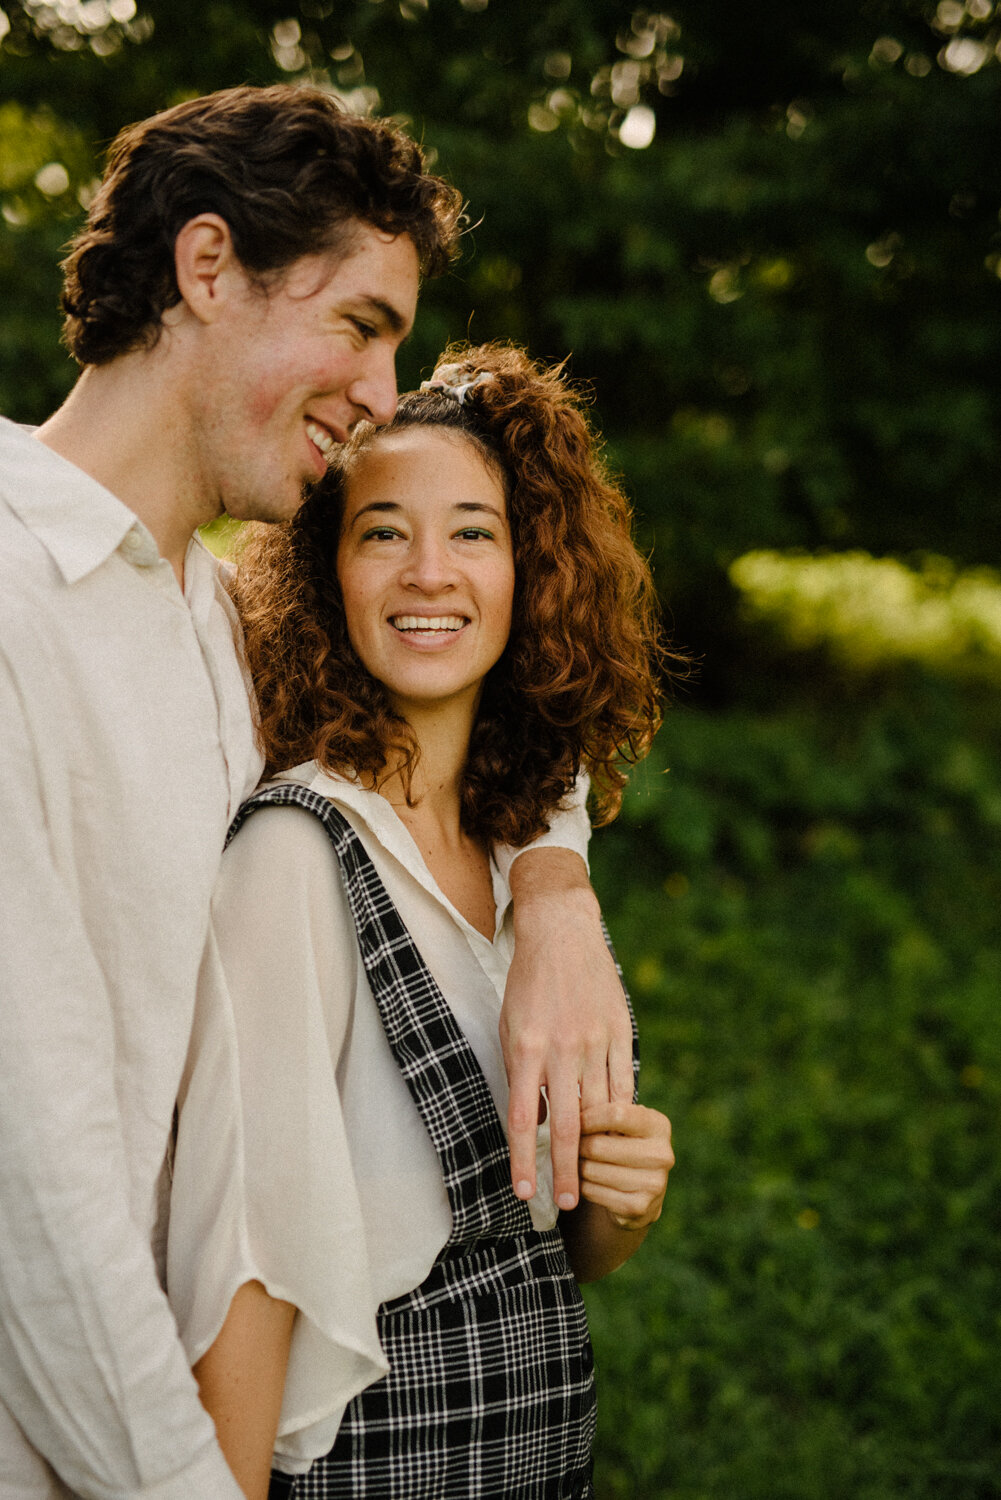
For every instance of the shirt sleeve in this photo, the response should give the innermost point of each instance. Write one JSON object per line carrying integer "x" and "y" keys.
{"x": 263, "y": 1186}
{"x": 91, "y": 1368}
{"x": 569, "y": 828}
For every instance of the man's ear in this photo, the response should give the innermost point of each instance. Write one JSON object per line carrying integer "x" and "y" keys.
{"x": 206, "y": 265}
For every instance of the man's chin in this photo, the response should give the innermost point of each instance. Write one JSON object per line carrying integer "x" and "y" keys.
{"x": 312, "y": 487}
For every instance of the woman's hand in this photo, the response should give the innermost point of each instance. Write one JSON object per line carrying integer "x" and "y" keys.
{"x": 625, "y": 1159}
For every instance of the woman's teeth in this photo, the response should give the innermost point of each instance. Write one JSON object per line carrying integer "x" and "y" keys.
{"x": 321, "y": 438}
{"x": 428, "y": 626}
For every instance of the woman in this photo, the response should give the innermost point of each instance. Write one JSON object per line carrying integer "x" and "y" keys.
{"x": 452, "y": 629}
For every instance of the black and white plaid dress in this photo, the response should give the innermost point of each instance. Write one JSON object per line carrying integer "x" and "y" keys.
{"x": 490, "y": 1390}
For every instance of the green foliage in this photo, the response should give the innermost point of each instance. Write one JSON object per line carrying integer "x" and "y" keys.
{"x": 809, "y": 904}
{"x": 41, "y": 159}
{"x": 868, "y": 611}
{"x": 788, "y": 302}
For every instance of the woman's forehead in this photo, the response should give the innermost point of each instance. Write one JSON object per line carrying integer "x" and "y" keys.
{"x": 415, "y": 452}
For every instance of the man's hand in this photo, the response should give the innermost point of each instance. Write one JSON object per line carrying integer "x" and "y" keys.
{"x": 565, "y": 1024}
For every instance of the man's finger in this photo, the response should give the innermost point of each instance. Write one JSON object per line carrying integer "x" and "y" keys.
{"x": 522, "y": 1127}
{"x": 594, "y": 1080}
{"x": 620, "y": 1060}
{"x": 563, "y": 1093}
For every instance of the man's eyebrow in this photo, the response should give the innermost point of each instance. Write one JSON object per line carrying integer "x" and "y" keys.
{"x": 390, "y": 316}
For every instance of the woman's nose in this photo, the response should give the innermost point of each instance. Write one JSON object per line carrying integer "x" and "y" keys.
{"x": 429, "y": 566}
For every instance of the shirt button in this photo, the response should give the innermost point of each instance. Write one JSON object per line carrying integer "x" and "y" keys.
{"x": 139, "y": 548}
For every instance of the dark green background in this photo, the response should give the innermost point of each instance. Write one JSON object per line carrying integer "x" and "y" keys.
{"x": 788, "y": 306}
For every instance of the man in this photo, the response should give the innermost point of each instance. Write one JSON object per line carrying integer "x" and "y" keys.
{"x": 236, "y": 299}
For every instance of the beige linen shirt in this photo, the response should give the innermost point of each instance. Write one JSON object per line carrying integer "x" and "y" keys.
{"x": 125, "y": 745}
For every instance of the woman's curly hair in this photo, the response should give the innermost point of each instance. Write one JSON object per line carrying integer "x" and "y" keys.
{"x": 578, "y": 686}
{"x": 288, "y": 168}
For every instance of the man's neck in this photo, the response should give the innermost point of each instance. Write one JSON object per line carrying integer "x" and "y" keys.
{"x": 121, "y": 425}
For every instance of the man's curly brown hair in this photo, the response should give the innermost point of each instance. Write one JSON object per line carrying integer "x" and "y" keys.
{"x": 289, "y": 170}
{"x": 578, "y": 686}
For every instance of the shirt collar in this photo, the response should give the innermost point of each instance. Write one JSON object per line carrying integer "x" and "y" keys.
{"x": 77, "y": 520}
{"x": 392, "y": 833}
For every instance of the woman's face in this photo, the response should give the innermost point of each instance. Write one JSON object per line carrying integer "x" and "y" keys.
{"x": 426, "y": 567}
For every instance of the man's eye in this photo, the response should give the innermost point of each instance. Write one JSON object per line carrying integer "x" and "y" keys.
{"x": 365, "y": 329}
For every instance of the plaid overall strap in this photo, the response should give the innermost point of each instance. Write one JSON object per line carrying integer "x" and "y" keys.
{"x": 437, "y": 1062}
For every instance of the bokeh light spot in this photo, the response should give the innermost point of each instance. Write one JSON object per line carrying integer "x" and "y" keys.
{"x": 964, "y": 55}
{"x": 52, "y": 179}
{"x": 638, "y": 128}
{"x": 542, "y": 118}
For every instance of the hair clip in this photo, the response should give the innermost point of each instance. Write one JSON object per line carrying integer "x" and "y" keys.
{"x": 444, "y": 380}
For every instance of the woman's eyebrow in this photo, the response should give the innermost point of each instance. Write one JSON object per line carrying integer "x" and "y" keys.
{"x": 478, "y": 505}
{"x": 374, "y": 505}
{"x": 464, "y": 507}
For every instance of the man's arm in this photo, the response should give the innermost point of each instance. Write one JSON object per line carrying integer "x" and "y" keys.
{"x": 91, "y": 1366}
{"x": 564, "y": 1024}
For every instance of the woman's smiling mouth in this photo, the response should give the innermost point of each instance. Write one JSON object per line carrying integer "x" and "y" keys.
{"x": 427, "y": 625}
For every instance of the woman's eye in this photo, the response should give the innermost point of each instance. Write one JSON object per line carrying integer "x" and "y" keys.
{"x": 474, "y": 533}
{"x": 381, "y": 534}
{"x": 365, "y": 329}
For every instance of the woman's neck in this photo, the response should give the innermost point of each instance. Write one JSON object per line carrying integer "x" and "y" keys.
{"x": 433, "y": 816}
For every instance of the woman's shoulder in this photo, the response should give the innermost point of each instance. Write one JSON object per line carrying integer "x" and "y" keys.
{"x": 280, "y": 887}
{"x": 280, "y": 852}
{"x": 322, "y": 785}
{"x": 372, "y": 817}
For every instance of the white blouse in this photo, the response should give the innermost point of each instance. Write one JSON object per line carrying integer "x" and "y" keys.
{"x": 301, "y": 1160}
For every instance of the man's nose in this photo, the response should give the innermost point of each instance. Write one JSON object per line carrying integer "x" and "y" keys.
{"x": 374, "y": 392}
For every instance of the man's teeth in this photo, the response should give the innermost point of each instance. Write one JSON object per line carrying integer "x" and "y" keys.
{"x": 423, "y": 623}
{"x": 321, "y": 437}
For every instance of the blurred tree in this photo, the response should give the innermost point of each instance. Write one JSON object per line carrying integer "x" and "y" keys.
{"x": 769, "y": 236}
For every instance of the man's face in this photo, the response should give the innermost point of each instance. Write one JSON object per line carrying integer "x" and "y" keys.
{"x": 285, "y": 375}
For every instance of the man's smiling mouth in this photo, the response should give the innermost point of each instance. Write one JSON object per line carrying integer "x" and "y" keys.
{"x": 320, "y": 438}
